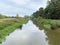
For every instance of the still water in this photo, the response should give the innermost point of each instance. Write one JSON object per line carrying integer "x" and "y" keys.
{"x": 30, "y": 34}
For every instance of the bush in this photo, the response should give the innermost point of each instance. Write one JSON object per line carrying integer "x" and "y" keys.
{"x": 47, "y": 26}
{"x": 54, "y": 26}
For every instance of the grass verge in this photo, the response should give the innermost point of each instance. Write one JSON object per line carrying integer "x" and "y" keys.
{"x": 47, "y": 23}
{"x": 6, "y": 31}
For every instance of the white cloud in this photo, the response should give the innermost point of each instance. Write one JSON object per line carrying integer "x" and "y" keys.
{"x": 36, "y": 5}
{"x": 3, "y": 5}
{"x": 19, "y": 2}
{"x": 23, "y": 7}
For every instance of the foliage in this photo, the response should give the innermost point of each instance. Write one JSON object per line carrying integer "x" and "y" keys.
{"x": 39, "y": 13}
{"x": 17, "y": 16}
{"x": 52, "y": 11}
{"x": 47, "y": 26}
{"x": 47, "y": 23}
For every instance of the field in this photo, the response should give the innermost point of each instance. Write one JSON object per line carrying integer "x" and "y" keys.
{"x": 9, "y": 25}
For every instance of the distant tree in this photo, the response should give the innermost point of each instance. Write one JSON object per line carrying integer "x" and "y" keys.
{"x": 27, "y": 17}
{"x": 17, "y": 16}
{"x": 35, "y": 14}
{"x": 38, "y": 13}
{"x": 12, "y": 17}
{"x": 2, "y": 16}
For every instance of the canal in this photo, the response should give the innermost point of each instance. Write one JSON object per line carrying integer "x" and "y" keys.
{"x": 30, "y": 34}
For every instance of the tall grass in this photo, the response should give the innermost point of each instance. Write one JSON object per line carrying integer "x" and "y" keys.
{"x": 47, "y": 23}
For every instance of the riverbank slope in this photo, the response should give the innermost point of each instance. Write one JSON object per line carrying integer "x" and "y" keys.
{"x": 47, "y": 23}
{"x": 9, "y": 25}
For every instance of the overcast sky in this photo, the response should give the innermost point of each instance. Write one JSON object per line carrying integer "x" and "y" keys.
{"x": 22, "y": 7}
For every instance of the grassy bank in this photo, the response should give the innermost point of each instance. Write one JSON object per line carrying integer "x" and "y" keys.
{"x": 6, "y": 28}
{"x": 47, "y": 23}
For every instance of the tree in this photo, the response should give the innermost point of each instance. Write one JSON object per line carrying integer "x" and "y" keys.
{"x": 17, "y": 16}
{"x": 38, "y": 13}
{"x": 41, "y": 12}
{"x": 52, "y": 11}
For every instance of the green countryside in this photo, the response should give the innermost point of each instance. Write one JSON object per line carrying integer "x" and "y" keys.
{"x": 42, "y": 27}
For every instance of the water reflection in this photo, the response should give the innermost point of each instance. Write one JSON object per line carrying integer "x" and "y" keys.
{"x": 28, "y": 35}
{"x": 53, "y": 36}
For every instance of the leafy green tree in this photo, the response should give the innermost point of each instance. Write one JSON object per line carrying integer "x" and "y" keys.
{"x": 38, "y": 13}
{"x": 52, "y": 11}
{"x": 41, "y": 12}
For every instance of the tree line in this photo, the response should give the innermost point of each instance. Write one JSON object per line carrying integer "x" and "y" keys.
{"x": 4, "y": 16}
{"x": 52, "y": 10}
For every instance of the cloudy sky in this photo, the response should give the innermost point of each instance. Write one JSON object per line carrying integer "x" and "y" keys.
{"x": 22, "y": 7}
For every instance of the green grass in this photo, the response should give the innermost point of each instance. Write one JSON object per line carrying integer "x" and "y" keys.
{"x": 47, "y": 23}
{"x": 10, "y": 27}
{"x": 47, "y": 26}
